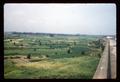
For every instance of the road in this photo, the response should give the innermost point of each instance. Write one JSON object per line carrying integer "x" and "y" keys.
{"x": 113, "y": 58}
{"x": 107, "y": 66}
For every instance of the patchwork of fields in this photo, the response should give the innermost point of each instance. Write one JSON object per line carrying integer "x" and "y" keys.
{"x": 51, "y": 56}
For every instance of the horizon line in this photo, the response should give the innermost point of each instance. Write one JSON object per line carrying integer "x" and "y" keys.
{"x": 61, "y": 33}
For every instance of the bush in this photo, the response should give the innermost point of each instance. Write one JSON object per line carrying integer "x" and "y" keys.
{"x": 29, "y": 56}
{"x": 82, "y": 52}
{"x": 69, "y": 51}
{"x": 34, "y": 49}
{"x": 99, "y": 55}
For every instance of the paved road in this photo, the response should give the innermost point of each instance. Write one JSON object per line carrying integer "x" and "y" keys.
{"x": 107, "y": 66}
{"x": 113, "y": 58}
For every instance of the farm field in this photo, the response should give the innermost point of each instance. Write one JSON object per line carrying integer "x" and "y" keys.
{"x": 51, "y": 56}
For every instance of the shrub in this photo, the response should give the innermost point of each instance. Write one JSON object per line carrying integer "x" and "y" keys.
{"x": 69, "y": 51}
{"x": 82, "y": 52}
{"x": 29, "y": 56}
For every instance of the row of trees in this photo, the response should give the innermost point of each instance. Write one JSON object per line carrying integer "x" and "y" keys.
{"x": 69, "y": 51}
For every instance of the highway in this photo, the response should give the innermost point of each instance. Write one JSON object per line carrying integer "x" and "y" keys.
{"x": 107, "y": 65}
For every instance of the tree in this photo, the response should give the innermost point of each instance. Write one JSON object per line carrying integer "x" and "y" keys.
{"x": 51, "y": 35}
{"x": 55, "y": 52}
{"x": 69, "y": 51}
{"x": 34, "y": 49}
{"x": 99, "y": 55}
{"x": 82, "y": 52}
{"x": 14, "y": 43}
{"x": 29, "y": 56}
{"x": 21, "y": 44}
{"x": 39, "y": 43}
{"x": 47, "y": 56}
{"x": 102, "y": 46}
{"x": 68, "y": 44}
{"x": 74, "y": 43}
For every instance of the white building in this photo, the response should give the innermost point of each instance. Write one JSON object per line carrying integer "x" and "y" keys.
{"x": 109, "y": 37}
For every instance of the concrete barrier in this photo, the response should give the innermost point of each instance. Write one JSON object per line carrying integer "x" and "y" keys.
{"x": 102, "y": 69}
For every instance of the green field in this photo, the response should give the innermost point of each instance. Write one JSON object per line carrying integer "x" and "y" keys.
{"x": 52, "y": 56}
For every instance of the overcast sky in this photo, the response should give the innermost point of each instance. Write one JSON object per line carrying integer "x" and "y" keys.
{"x": 61, "y": 18}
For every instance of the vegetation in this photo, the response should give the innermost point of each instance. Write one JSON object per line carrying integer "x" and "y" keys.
{"x": 66, "y": 68}
{"x": 44, "y": 56}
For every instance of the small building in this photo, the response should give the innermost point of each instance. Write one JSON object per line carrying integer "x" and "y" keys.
{"x": 109, "y": 37}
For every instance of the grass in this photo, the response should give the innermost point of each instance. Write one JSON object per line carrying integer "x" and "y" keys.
{"x": 50, "y": 59}
{"x": 66, "y": 68}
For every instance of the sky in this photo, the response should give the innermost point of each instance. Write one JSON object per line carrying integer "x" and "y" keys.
{"x": 95, "y": 19}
